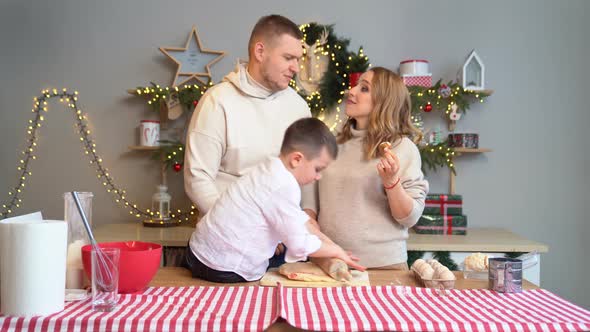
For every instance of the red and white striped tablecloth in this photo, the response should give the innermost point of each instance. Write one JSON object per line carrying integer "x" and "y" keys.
{"x": 325, "y": 309}
{"x": 391, "y": 308}
{"x": 164, "y": 309}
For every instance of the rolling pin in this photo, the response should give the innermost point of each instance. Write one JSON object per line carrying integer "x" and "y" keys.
{"x": 334, "y": 267}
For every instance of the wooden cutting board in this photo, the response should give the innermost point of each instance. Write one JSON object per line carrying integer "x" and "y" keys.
{"x": 272, "y": 276}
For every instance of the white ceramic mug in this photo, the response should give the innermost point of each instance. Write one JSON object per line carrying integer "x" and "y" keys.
{"x": 149, "y": 133}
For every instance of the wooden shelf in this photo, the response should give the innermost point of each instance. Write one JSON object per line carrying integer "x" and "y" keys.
{"x": 488, "y": 92}
{"x": 143, "y": 148}
{"x": 470, "y": 150}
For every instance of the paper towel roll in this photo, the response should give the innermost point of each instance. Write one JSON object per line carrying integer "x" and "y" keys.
{"x": 27, "y": 218}
{"x": 32, "y": 267}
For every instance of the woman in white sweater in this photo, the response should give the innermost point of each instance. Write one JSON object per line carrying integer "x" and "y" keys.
{"x": 369, "y": 197}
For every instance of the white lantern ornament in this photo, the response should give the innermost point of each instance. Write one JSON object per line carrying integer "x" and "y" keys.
{"x": 161, "y": 203}
{"x": 473, "y": 73}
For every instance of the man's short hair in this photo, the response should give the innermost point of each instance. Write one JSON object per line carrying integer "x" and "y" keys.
{"x": 271, "y": 27}
{"x": 309, "y": 136}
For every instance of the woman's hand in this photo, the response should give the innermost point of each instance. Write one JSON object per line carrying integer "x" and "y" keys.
{"x": 350, "y": 259}
{"x": 388, "y": 168}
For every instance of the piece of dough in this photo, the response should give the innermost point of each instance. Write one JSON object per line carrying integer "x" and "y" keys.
{"x": 304, "y": 272}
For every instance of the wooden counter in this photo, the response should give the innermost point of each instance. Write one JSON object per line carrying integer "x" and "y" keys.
{"x": 477, "y": 239}
{"x": 179, "y": 277}
{"x": 167, "y": 236}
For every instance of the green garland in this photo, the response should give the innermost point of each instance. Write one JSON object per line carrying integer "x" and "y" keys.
{"x": 335, "y": 80}
{"x": 358, "y": 62}
{"x": 444, "y": 257}
{"x": 442, "y": 96}
{"x": 188, "y": 95}
{"x": 171, "y": 152}
{"x": 437, "y": 155}
{"x": 414, "y": 255}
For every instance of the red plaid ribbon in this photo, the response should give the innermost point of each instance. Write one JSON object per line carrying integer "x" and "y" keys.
{"x": 437, "y": 228}
{"x": 448, "y": 224}
{"x": 443, "y": 203}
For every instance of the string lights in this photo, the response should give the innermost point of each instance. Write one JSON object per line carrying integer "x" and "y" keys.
{"x": 426, "y": 99}
{"x": 188, "y": 95}
{"x": 336, "y": 78}
{"x": 119, "y": 195}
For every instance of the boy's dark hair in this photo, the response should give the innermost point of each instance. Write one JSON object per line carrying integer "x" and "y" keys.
{"x": 271, "y": 27}
{"x": 309, "y": 136}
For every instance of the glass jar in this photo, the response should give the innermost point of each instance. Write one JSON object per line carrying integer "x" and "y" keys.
{"x": 161, "y": 203}
{"x": 77, "y": 237}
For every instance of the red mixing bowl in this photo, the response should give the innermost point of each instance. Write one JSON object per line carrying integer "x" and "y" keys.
{"x": 138, "y": 263}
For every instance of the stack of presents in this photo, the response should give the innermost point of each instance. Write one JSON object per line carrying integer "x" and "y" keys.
{"x": 442, "y": 215}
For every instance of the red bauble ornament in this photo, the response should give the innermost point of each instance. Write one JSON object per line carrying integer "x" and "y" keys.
{"x": 354, "y": 79}
{"x": 177, "y": 167}
{"x": 427, "y": 108}
{"x": 195, "y": 102}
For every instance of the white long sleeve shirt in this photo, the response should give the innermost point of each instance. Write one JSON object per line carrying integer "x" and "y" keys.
{"x": 236, "y": 125}
{"x": 255, "y": 213}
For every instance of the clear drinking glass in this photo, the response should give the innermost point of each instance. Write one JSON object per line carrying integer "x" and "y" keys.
{"x": 105, "y": 278}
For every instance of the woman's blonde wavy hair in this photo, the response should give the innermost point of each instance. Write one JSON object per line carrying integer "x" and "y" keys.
{"x": 390, "y": 119}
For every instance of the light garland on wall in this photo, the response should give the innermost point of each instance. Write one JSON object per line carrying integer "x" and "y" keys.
{"x": 40, "y": 108}
{"x": 323, "y": 42}
{"x": 188, "y": 95}
{"x": 443, "y": 96}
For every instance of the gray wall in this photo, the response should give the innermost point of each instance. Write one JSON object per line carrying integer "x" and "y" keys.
{"x": 535, "y": 52}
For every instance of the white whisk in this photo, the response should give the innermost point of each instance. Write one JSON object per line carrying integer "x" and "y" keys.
{"x": 104, "y": 264}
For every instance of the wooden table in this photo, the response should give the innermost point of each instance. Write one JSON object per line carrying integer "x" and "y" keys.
{"x": 181, "y": 277}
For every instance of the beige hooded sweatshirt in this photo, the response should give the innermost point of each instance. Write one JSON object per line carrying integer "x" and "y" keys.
{"x": 236, "y": 125}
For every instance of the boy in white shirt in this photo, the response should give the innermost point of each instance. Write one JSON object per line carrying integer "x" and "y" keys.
{"x": 234, "y": 241}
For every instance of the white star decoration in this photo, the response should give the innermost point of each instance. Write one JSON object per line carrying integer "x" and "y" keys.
{"x": 193, "y": 60}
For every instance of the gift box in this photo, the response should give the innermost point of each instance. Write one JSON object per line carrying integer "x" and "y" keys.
{"x": 463, "y": 141}
{"x": 437, "y": 224}
{"x": 414, "y": 67}
{"x": 443, "y": 204}
{"x": 418, "y": 80}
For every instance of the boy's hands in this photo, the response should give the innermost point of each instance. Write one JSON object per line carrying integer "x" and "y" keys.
{"x": 331, "y": 249}
{"x": 279, "y": 249}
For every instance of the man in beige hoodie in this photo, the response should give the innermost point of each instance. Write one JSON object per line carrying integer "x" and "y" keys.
{"x": 241, "y": 121}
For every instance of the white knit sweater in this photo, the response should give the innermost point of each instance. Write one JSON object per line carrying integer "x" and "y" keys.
{"x": 237, "y": 124}
{"x": 353, "y": 206}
